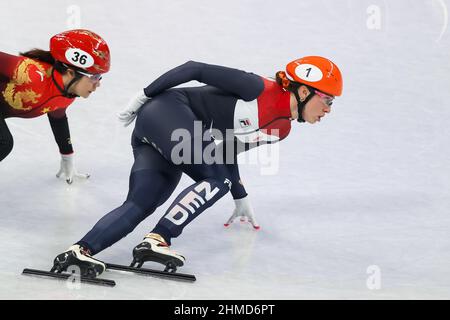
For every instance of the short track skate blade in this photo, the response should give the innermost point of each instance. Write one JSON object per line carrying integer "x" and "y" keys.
{"x": 152, "y": 272}
{"x": 65, "y": 276}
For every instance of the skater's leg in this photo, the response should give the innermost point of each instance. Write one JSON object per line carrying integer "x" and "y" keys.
{"x": 212, "y": 183}
{"x": 187, "y": 206}
{"x": 211, "y": 180}
{"x": 153, "y": 176}
{"x": 152, "y": 181}
{"x": 6, "y": 139}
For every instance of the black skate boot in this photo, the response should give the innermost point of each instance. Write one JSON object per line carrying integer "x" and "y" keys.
{"x": 80, "y": 257}
{"x": 154, "y": 248}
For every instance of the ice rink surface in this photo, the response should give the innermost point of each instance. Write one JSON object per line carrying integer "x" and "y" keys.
{"x": 357, "y": 207}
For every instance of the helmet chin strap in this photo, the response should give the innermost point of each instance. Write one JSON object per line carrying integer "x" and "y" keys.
{"x": 302, "y": 103}
{"x": 65, "y": 91}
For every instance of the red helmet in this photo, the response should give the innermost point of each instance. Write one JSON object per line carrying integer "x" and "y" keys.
{"x": 318, "y": 72}
{"x": 82, "y": 49}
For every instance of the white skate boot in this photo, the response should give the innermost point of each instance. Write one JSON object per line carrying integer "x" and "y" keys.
{"x": 154, "y": 248}
{"x": 80, "y": 257}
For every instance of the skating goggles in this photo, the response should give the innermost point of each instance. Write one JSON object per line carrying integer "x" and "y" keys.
{"x": 325, "y": 98}
{"x": 93, "y": 77}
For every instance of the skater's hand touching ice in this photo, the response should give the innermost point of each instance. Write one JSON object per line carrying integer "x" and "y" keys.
{"x": 128, "y": 115}
{"x": 244, "y": 211}
{"x": 68, "y": 170}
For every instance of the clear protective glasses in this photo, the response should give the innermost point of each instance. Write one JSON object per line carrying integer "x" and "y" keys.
{"x": 93, "y": 77}
{"x": 327, "y": 99}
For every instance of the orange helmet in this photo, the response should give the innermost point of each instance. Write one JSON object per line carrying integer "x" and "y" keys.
{"x": 317, "y": 72}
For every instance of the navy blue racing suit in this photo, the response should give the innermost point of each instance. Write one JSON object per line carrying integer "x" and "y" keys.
{"x": 197, "y": 112}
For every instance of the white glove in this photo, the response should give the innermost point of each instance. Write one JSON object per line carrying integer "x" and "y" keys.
{"x": 128, "y": 115}
{"x": 243, "y": 210}
{"x": 68, "y": 169}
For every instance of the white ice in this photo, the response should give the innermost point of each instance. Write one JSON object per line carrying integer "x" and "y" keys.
{"x": 361, "y": 196}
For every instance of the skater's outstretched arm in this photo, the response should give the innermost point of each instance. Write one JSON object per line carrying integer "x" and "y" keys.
{"x": 228, "y": 154}
{"x": 60, "y": 128}
{"x": 243, "y": 208}
{"x": 246, "y": 86}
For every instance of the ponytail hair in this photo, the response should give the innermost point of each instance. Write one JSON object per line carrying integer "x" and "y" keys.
{"x": 40, "y": 55}
{"x": 45, "y": 56}
{"x": 284, "y": 81}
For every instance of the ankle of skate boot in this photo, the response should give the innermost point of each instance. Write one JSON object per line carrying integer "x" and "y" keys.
{"x": 157, "y": 237}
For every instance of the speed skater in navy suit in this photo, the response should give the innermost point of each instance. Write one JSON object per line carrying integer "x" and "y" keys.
{"x": 176, "y": 131}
